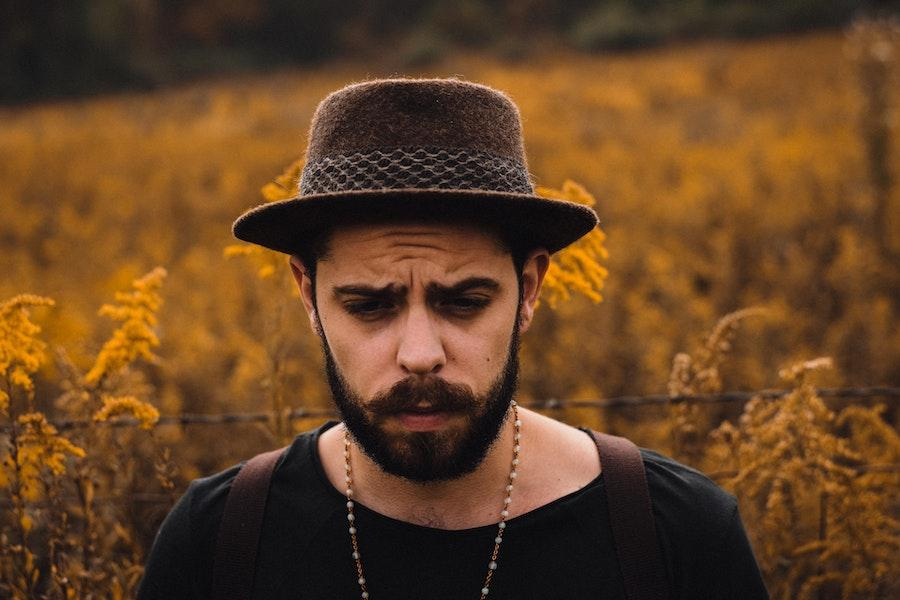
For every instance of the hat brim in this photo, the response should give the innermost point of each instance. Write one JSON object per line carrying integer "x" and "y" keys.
{"x": 530, "y": 221}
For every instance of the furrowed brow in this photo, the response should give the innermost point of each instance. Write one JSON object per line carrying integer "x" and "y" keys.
{"x": 436, "y": 290}
{"x": 391, "y": 291}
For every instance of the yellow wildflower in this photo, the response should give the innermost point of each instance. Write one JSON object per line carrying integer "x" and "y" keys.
{"x": 268, "y": 263}
{"x": 285, "y": 185}
{"x": 233, "y": 250}
{"x": 40, "y": 446}
{"x": 700, "y": 374}
{"x": 135, "y": 337}
{"x": 577, "y": 267}
{"x": 144, "y": 412}
{"x": 27, "y": 523}
{"x": 21, "y": 352}
{"x": 796, "y": 373}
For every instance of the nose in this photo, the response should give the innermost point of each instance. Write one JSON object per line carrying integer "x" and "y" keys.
{"x": 420, "y": 351}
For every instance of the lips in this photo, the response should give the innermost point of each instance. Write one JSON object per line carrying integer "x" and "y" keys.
{"x": 419, "y": 419}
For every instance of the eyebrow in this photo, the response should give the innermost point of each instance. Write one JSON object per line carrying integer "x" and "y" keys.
{"x": 390, "y": 291}
{"x": 436, "y": 291}
{"x": 394, "y": 292}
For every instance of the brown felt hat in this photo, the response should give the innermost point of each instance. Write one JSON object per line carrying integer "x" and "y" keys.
{"x": 420, "y": 149}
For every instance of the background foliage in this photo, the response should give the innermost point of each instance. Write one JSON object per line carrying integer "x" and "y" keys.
{"x": 757, "y": 175}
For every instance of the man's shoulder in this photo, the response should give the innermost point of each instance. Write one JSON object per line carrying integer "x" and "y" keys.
{"x": 204, "y": 499}
{"x": 185, "y": 544}
{"x": 700, "y": 531}
{"x": 215, "y": 487}
{"x": 686, "y": 500}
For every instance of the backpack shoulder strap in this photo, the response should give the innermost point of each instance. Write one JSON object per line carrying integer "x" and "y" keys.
{"x": 631, "y": 517}
{"x": 234, "y": 564}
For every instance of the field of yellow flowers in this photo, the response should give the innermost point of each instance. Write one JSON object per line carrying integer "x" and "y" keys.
{"x": 750, "y": 224}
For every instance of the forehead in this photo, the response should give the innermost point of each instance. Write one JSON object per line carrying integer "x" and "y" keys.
{"x": 437, "y": 248}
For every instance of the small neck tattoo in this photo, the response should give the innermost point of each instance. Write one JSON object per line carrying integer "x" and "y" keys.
{"x": 501, "y": 525}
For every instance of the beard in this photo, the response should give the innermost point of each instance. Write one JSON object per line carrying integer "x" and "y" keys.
{"x": 427, "y": 456}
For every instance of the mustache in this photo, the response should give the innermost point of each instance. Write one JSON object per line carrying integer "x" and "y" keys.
{"x": 438, "y": 394}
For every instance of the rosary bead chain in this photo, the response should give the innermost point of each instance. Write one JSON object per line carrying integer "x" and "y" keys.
{"x": 351, "y": 518}
{"x": 501, "y": 526}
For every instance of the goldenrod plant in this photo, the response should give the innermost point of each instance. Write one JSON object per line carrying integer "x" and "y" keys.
{"x": 821, "y": 525}
{"x": 691, "y": 422}
{"x": 578, "y": 267}
{"x": 58, "y": 541}
{"x": 135, "y": 337}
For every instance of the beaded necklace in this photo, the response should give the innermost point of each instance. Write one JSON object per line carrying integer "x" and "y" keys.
{"x": 501, "y": 526}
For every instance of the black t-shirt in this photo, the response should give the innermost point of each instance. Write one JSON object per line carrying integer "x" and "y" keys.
{"x": 562, "y": 550}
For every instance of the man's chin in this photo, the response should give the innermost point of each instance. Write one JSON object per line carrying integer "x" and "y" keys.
{"x": 430, "y": 453}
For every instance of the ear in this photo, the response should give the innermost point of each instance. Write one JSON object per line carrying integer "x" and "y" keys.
{"x": 533, "y": 271}
{"x": 305, "y": 285}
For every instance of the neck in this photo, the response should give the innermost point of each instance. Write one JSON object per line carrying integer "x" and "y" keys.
{"x": 468, "y": 501}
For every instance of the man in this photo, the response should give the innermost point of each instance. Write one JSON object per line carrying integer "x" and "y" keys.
{"x": 419, "y": 250}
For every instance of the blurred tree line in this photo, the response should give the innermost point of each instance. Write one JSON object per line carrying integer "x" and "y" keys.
{"x": 59, "y": 47}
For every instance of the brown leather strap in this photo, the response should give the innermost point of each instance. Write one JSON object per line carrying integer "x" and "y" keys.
{"x": 235, "y": 562}
{"x": 631, "y": 517}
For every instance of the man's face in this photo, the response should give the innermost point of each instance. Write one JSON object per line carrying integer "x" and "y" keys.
{"x": 420, "y": 329}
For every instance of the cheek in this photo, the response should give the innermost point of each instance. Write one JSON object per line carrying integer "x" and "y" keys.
{"x": 365, "y": 358}
{"x": 477, "y": 355}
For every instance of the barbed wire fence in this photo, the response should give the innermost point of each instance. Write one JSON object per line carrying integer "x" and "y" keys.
{"x": 551, "y": 404}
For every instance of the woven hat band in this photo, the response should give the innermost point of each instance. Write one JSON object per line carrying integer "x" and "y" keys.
{"x": 415, "y": 168}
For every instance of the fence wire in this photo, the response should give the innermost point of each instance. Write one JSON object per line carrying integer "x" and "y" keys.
{"x": 550, "y": 404}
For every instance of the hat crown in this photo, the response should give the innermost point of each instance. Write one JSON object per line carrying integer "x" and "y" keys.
{"x": 415, "y": 134}
{"x": 416, "y": 113}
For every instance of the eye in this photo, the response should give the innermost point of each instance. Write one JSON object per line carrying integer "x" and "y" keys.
{"x": 464, "y": 304}
{"x": 368, "y": 309}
